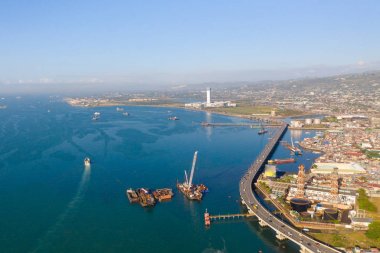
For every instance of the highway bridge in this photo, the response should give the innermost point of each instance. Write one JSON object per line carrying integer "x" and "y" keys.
{"x": 282, "y": 229}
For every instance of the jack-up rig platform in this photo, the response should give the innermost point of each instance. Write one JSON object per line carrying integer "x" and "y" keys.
{"x": 190, "y": 190}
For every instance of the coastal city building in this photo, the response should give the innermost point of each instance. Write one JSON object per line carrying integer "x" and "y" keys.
{"x": 209, "y": 103}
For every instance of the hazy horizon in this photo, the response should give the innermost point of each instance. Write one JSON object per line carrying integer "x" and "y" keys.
{"x": 97, "y": 46}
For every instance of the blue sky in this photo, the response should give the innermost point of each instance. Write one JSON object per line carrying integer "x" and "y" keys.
{"x": 155, "y": 41}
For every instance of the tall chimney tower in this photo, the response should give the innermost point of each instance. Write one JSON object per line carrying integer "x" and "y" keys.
{"x": 208, "y": 102}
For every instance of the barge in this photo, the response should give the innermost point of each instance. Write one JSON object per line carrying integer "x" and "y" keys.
{"x": 163, "y": 194}
{"x": 132, "y": 195}
{"x": 145, "y": 197}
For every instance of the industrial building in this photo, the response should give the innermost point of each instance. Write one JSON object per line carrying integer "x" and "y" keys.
{"x": 324, "y": 194}
{"x": 209, "y": 103}
{"x": 343, "y": 168}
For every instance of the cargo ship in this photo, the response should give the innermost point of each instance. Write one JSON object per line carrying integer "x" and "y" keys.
{"x": 163, "y": 194}
{"x": 146, "y": 199}
{"x": 282, "y": 161}
{"x": 132, "y": 195}
{"x": 190, "y": 190}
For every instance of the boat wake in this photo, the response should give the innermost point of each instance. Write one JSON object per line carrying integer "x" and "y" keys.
{"x": 52, "y": 234}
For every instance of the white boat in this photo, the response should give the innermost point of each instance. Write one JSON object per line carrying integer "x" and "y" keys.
{"x": 119, "y": 109}
{"x": 87, "y": 162}
{"x": 125, "y": 113}
{"x": 96, "y": 116}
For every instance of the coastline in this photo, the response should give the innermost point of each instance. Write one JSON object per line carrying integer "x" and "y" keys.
{"x": 168, "y": 106}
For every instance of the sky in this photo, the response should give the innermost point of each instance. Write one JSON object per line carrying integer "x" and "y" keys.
{"x": 78, "y": 43}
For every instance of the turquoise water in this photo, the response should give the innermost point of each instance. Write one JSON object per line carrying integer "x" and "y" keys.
{"x": 51, "y": 203}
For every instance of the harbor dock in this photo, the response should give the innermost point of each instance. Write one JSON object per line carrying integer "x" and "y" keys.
{"x": 209, "y": 218}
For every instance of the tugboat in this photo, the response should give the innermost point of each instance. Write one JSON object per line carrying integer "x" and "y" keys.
{"x": 262, "y": 130}
{"x": 87, "y": 162}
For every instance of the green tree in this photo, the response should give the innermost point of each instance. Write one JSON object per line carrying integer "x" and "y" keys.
{"x": 364, "y": 202}
{"x": 373, "y": 230}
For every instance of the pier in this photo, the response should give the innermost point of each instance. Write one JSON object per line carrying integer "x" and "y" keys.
{"x": 208, "y": 218}
{"x": 249, "y": 199}
{"x": 231, "y": 216}
{"x": 251, "y": 125}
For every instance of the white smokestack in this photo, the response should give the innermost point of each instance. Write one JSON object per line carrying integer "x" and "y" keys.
{"x": 208, "y": 96}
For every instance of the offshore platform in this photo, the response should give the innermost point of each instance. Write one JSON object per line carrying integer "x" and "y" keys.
{"x": 190, "y": 190}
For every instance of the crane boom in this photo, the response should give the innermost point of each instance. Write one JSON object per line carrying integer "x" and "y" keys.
{"x": 186, "y": 180}
{"x": 192, "y": 169}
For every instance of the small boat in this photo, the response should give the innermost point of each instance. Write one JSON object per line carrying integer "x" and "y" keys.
{"x": 125, "y": 113}
{"x": 173, "y": 118}
{"x": 119, "y": 109}
{"x": 87, "y": 162}
{"x": 96, "y": 116}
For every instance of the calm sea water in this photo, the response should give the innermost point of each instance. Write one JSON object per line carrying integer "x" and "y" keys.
{"x": 51, "y": 203}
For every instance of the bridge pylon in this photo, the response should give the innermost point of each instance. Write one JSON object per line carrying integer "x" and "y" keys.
{"x": 262, "y": 223}
{"x": 280, "y": 236}
{"x": 305, "y": 250}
